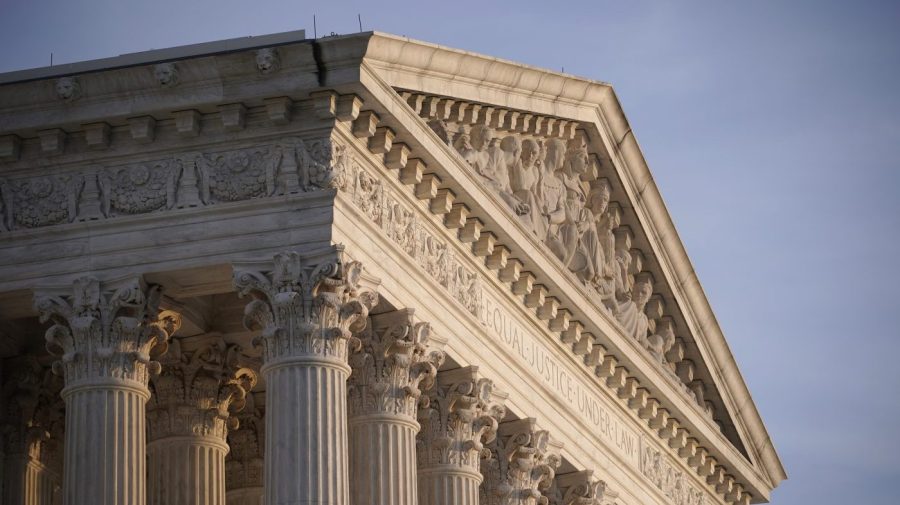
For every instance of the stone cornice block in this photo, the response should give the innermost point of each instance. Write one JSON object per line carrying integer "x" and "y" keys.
{"x": 572, "y": 333}
{"x": 607, "y": 367}
{"x": 536, "y": 297}
{"x": 53, "y": 141}
{"x": 348, "y": 107}
{"x": 96, "y": 135}
{"x": 497, "y": 259}
{"x": 442, "y": 201}
{"x": 279, "y": 109}
{"x": 142, "y": 128}
{"x": 365, "y": 124}
{"x": 187, "y": 122}
{"x": 324, "y": 104}
{"x": 427, "y": 186}
{"x": 10, "y": 147}
{"x": 381, "y": 141}
{"x": 618, "y": 378}
{"x": 639, "y": 400}
{"x": 584, "y": 345}
{"x": 457, "y": 216}
{"x": 524, "y": 285}
{"x": 471, "y": 232}
{"x": 560, "y": 322}
{"x": 411, "y": 173}
{"x": 233, "y": 116}
{"x": 629, "y": 390}
{"x": 484, "y": 246}
{"x": 512, "y": 270}
{"x": 397, "y": 157}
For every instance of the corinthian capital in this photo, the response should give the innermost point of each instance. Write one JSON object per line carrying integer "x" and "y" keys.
{"x": 33, "y": 420}
{"x": 394, "y": 366}
{"x": 306, "y": 306}
{"x": 244, "y": 463}
{"x": 202, "y": 382}
{"x": 521, "y": 467}
{"x": 461, "y": 414}
{"x": 106, "y": 330}
{"x": 581, "y": 488}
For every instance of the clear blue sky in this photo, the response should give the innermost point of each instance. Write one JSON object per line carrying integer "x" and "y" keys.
{"x": 772, "y": 128}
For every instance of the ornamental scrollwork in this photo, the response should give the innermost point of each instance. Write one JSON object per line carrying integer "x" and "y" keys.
{"x": 395, "y": 364}
{"x": 305, "y": 305}
{"x": 580, "y": 488}
{"x": 247, "y": 442}
{"x": 457, "y": 418}
{"x": 521, "y": 466}
{"x": 196, "y": 392}
{"x": 106, "y": 330}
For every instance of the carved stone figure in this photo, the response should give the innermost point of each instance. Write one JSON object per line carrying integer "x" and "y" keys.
{"x": 68, "y": 89}
{"x": 631, "y": 312}
{"x": 166, "y": 74}
{"x": 524, "y": 174}
{"x": 139, "y": 188}
{"x": 551, "y": 198}
{"x": 267, "y": 60}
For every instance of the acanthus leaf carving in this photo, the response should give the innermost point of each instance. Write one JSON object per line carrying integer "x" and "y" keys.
{"x": 197, "y": 391}
{"x": 106, "y": 330}
{"x": 458, "y": 417}
{"x": 521, "y": 467}
{"x": 655, "y": 465}
{"x": 581, "y": 488}
{"x": 247, "y": 442}
{"x": 305, "y": 305}
{"x": 396, "y": 363}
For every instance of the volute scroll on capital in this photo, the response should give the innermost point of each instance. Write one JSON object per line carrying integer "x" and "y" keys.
{"x": 305, "y": 305}
{"x": 458, "y": 417}
{"x": 398, "y": 360}
{"x": 106, "y": 330}
{"x": 521, "y": 467}
{"x": 198, "y": 391}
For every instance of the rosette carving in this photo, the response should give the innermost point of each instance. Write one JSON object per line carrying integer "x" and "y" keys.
{"x": 581, "y": 488}
{"x": 521, "y": 467}
{"x": 106, "y": 330}
{"x": 197, "y": 391}
{"x": 394, "y": 366}
{"x": 460, "y": 415}
{"x": 305, "y": 305}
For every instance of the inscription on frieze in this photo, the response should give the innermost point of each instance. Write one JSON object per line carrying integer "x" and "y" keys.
{"x": 530, "y": 348}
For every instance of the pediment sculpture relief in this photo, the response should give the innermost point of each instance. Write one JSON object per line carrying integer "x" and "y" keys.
{"x": 544, "y": 172}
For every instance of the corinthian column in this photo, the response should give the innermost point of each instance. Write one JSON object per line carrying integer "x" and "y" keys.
{"x": 388, "y": 377}
{"x": 32, "y": 425}
{"x": 306, "y": 308}
{"x": 521, "y": 467}
{"x": 460, "y": 416}
{"x": 104, "y": 334}
{"x": 244, "y": 464}
{"x": 201, "y": 383}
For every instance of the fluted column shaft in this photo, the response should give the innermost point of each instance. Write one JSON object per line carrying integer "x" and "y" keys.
{"x": 306, "y": 433}
{"x": 393, "y": 363}
{"x": 28, "y": 482}
{"x": 448, "y": 484}
{"x": 186, "y": 471}
{"x": 462, "y": 414}
{"x": 189, "y": 414}
{"x": 104, "y": 334}
{"x": 306, "y": 308}
{"x": 105, "y": 444}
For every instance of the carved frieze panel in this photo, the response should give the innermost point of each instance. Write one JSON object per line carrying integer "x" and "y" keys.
{"x": 656, "y": 466}
{"x": 191, "y": 179}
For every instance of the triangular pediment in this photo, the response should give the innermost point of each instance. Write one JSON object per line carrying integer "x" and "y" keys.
{"x": 555, "y": 155}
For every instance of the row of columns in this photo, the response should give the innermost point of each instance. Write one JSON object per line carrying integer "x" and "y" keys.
{"x": 347, "y": 395}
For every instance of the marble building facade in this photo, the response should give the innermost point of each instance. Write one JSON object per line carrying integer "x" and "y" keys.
{"x": 359, "y": 270}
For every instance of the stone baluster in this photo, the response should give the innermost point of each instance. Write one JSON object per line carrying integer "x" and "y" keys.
{"x": 189, "y": 414}
{"x": 580, "y": 488}
{"x": 460, "y": 416}
{"x": 389, "y": 374}
{"x": 306, "y": 308}
{"x": 521, "y": 467}
{"x": 104, "y": 334}
{"x": 32, "y": 428}
{"x": 244, "y": 463}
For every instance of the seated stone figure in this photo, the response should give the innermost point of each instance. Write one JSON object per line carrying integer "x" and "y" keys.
{"x": 523, "y": 181}
{"x": 631, "y": 312}
{"x": 662, "y": 339}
